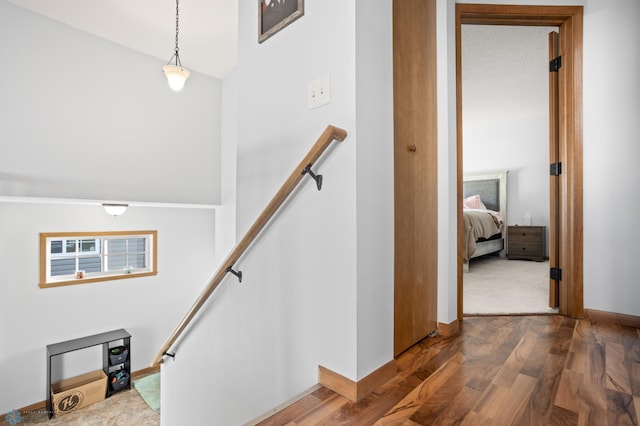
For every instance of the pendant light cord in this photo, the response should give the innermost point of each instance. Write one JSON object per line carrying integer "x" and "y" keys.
{"x": 176, "y": 54}
{"x": 177, "y": 23}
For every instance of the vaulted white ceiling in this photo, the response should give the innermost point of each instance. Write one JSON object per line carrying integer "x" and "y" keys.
{"x": 207, "y": 37}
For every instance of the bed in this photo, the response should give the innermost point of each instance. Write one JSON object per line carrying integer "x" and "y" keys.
{"x": 484, "y": 215}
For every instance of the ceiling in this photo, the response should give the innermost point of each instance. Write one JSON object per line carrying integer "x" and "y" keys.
{"x": 208, "y": 28}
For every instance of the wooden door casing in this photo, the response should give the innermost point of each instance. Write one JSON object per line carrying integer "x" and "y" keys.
{"x": 569, "y": 19}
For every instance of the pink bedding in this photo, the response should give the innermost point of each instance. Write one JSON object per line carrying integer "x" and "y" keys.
{"x": 479, "y": 224}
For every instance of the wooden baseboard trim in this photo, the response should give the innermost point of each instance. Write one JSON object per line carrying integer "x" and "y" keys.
{"x": 612, "y": 317}
{"x": 33, "y": 408}
{"x": 145, "y": 372}
{"x": 448, "y": 330}
{"x": 356, "y": 391}
{"x": 282, "y": 406}
{"x": 42, "y": 405}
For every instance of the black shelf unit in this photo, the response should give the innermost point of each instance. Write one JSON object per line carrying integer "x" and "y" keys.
{"x": 108, "y": 340}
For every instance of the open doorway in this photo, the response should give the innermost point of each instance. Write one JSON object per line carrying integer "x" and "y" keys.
{"x": 505, "y": 124}
{"x": 566, "y": 274}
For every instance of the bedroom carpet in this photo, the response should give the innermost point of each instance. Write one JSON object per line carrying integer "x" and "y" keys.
{"x": 495, "y": 285}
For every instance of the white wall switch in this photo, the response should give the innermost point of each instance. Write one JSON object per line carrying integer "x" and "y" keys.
{"x": 318, "y": 92}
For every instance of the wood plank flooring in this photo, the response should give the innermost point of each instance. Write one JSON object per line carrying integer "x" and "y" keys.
{"x": 509, "y": 370}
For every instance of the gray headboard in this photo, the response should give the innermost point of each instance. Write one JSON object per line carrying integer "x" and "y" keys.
{"x": 492, "y": 188}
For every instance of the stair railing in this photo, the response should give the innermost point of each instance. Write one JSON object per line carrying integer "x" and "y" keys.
{"x": 330, "y": 134}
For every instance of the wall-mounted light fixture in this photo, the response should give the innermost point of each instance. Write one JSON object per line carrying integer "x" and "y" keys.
{"x": 176, "y": 74}
{"x": 115, "y": 209}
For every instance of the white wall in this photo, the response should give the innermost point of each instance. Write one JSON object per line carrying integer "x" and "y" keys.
{"x": 505, "y": 72}
{"x": 88, "y": 120}
{"x": 147, "y": 307}
{"x": 310, "y": 248}
{"x": 447, "y": 157}
{"x": 374, "y": 185}
{"x": 611, "y": 153}
{"x": 317, "y": 286}
{"x": 85, "y": 118}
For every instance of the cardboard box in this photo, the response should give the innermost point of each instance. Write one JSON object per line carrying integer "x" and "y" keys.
{"x": 77, "y": 392}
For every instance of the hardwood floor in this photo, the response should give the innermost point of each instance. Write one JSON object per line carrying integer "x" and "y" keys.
{"x": 524, "y": 370}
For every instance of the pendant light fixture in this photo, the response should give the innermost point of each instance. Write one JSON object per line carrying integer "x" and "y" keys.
{"x": 176, "y": 74}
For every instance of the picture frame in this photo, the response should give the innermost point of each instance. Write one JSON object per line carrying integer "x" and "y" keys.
{"x": 274, "y": 15}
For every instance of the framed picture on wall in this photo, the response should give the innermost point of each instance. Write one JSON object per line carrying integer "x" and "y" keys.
{"x": 274, "y": 15}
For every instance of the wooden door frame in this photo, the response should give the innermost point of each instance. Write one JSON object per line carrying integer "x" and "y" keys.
{"x": 569, "y": 21}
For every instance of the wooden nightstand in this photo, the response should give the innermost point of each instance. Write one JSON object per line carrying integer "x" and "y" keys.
{"x": 526, "y": 242}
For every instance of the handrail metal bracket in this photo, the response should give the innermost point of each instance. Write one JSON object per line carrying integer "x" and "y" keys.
{"x": 236, "y": 273}
{"x": 172, "y": 355}
{"x": 317, "y": 178}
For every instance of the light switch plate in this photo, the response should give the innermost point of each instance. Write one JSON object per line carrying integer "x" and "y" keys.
{"x": 318, "y": 92}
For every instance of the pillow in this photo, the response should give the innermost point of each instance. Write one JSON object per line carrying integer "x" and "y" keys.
{"x": 473, "y": 202}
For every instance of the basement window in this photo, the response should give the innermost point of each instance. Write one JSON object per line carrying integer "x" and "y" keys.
{"x": 84, "y": 257}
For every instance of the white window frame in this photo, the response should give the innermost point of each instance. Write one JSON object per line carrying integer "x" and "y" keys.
{"x": 46, "y": 257}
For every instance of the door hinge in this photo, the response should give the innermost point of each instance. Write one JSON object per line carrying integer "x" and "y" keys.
{"x": 555, "y": 274}
{"x": 556, "y": 169}
{"x": 555, "y": 64}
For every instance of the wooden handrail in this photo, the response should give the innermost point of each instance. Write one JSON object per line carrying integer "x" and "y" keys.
{"x": 330, "y": 134}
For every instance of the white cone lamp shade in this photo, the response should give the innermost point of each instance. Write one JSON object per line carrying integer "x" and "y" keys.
{"x": 176, "y": 76}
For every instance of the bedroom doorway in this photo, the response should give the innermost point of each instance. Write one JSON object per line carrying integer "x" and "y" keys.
{"x": 505, "y": 75}
{"x": 567, "y": 235}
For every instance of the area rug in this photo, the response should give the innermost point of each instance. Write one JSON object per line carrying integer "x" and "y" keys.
{"x": 499, "y": 286}
{"x": 149, "y": 389}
